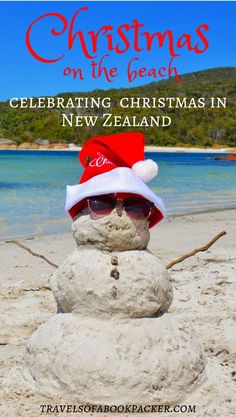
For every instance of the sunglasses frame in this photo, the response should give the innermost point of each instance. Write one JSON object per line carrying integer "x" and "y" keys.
{"x": 121, "y": 206}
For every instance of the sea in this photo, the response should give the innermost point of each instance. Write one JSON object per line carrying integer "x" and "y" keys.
{"x": 33, "y": 183}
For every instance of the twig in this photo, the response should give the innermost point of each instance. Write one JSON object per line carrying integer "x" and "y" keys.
{"x": 176, "y": 261}
{"x": 32, "y": 252}
{"x": 201, "y": 249}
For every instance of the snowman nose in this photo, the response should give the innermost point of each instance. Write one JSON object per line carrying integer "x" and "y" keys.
{"x": 119, "y": 207}
{"x": 119, "y": 212}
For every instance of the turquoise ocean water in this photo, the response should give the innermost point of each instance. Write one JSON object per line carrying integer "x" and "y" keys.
{"x": 32, "y": 187}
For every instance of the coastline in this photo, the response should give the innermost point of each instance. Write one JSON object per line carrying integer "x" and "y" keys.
{"x": 169, "y": 219}
{"x": 48, "y": 173}
{"x": 148, "y": 148}
{"x": 214, "y": 219}
{"x": 188, "y": 150}
{"x": 203, "y": 303}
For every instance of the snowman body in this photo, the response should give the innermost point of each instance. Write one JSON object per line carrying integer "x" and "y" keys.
{"x": 113, "y": 340}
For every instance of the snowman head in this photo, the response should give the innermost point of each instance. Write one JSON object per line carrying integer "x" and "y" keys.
{"x": 114, "y": 165}
{"x": 114, "y": 222}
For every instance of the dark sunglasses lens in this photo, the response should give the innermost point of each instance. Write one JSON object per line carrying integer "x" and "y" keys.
{"x": 137, "y": 208}
{"x": 101, "y": 205}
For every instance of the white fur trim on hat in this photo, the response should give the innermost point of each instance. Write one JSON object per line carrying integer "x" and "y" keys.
{"x": 118, "y": 180}
{"x": 145, "y": 170}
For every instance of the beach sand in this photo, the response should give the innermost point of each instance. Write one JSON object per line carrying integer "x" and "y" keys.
{"x": 204, "y": 303}
{"x": 148, "y": 148}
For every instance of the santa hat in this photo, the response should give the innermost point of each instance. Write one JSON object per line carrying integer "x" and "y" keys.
{"x": 115, "y": 164}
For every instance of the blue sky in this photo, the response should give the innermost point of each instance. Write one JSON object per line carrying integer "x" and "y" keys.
{"x": 23, "y": 76}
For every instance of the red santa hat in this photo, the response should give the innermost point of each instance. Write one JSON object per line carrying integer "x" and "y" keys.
{"x": 115, "y": 164}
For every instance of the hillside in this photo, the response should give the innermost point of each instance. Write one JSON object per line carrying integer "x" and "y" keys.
{"x": 190, "y": 126}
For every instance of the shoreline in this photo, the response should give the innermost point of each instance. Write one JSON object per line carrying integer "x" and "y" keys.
{"x": 179, "y": 149}
{"x": 170, "y": 218}
{"x": 147, "y": 148}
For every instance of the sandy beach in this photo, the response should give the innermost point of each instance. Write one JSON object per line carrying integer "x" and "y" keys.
{"x": 204, "y": 303}
{"x": 148, "y": 148}
{"x": 188, "y": 149}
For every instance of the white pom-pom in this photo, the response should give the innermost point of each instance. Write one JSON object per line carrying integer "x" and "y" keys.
{"x": 145, "y": 170}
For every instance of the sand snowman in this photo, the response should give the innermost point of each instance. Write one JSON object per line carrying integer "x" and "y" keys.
{"x": 113, "y": 340}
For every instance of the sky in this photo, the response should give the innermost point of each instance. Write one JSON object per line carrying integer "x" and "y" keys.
{"x": 24, "y": 76}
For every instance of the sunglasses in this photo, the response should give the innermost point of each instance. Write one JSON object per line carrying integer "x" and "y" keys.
{"x": 136, "y": 208}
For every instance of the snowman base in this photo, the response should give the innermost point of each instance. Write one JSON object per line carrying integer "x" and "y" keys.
{"x": 113, "y": 362}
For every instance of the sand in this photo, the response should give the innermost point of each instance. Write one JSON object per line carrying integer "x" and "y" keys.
{"x": 204, "y": 301}
{"x": 187, "y": 149}
{"x": 148, "y": 148}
